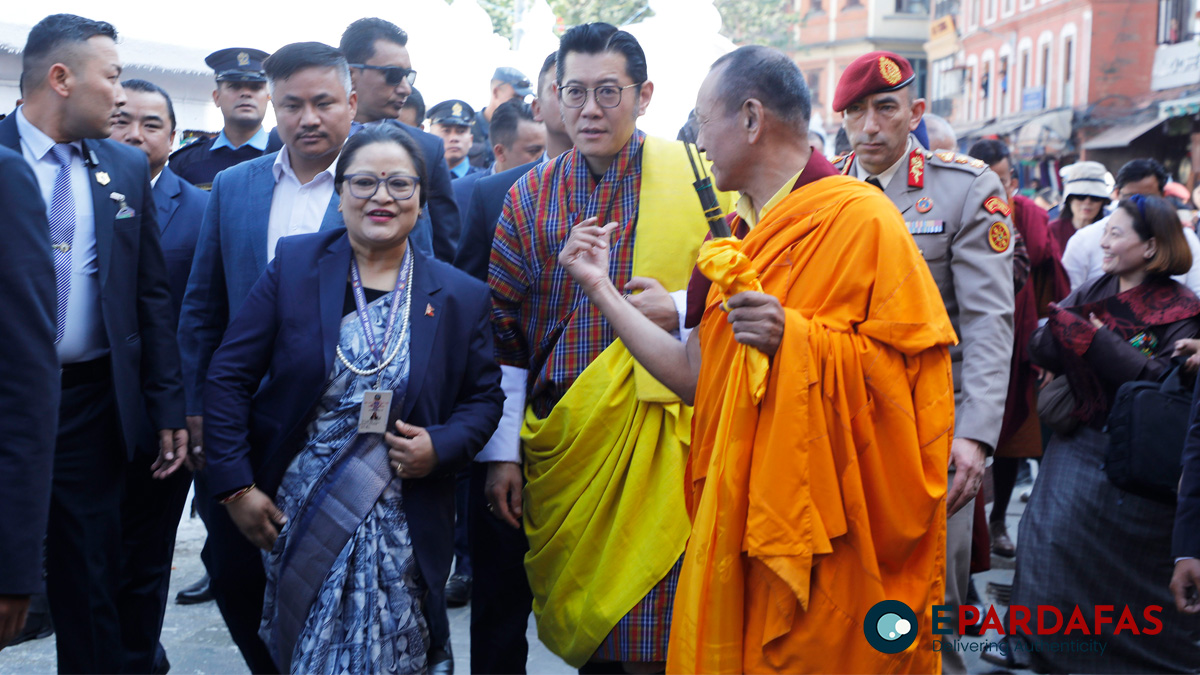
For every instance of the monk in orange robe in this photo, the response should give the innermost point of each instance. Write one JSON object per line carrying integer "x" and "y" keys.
{"x": 824, "y": 406}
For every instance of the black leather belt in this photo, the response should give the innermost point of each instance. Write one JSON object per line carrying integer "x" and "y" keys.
{"x": 86, "y": 372}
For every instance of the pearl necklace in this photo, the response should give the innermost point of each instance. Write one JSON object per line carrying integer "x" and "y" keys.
{"x": 404, "y": 329}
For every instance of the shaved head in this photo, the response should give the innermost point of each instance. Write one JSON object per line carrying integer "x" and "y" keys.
{"x": 941, "y": 134}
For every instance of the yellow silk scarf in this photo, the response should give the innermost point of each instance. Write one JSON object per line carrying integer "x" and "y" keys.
{"x": 604, "y": 502}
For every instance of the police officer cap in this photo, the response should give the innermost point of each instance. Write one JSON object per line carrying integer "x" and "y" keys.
{"x": 516, "y": 78}
{"x": 238, "y": 64}
{"x": 453, "y": 112}
{"x": 872, "y": 73}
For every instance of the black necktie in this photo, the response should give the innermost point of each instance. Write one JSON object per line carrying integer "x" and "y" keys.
{"x": 875, "y": 181}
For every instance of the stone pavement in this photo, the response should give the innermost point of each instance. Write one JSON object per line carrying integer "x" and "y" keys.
{"x": 197, "y": 642}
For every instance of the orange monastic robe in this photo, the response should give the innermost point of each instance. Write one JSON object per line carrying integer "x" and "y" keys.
{"x": 827, "y": 496}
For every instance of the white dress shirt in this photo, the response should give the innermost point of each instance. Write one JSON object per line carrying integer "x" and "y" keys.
{"x": 1084, "y": 259}
{"x": 83, "y": 335}
{"x": 296, "y": 208}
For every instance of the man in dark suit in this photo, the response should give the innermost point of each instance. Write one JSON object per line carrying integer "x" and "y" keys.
{"x": 519, "y": 139}
{"x": 252, "y": 206}
{"x": 152, "y": 507}
{"x": 115, "y": 337}
{"x": 29, "y": 391}
{"x": 383, "y": 78}
{"x": 1185, "y": 542}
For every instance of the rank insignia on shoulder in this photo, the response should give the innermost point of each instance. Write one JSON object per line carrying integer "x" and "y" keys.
{"x": 925, "y": 226}
{"x": 976, "y": 164}
{"x": 924, "y": 205}
{"x": 945, "y": 155}
{"x": 997, "y": 205}
{"x": 961, "y": 159}
{"x": 916, "y": 169}
{"x": 999, "y": 237}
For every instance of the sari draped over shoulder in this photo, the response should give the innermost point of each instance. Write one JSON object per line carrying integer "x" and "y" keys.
{"x": 344, "y": 593}
{"x": 817, "y": 480}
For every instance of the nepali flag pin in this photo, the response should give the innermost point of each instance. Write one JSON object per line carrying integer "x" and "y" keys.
{"x": 428, "y": 309}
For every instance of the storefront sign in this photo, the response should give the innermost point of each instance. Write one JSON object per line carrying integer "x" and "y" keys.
{"x": 1176, "y": 66}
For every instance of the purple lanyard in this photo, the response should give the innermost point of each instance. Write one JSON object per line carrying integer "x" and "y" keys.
{"x": 360, "y": 304}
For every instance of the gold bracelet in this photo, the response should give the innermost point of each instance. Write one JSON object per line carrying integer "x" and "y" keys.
{"x": 238, "y": 495}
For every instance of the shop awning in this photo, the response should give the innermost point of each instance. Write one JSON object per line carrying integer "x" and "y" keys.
{"x": 1046, "y": 134}
{"x": 1179, "y": 107}
{"x": 1119, "y": 137}
{"x": 1001, "y": 126}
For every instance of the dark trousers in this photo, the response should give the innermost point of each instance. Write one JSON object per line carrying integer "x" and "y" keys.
{"x": 462, "y": 546}
{"x": 83, "y": 537}
{"x": 500, "y": 597}
{"x": 150, "y": 513}
{"x": 235, "y": 567}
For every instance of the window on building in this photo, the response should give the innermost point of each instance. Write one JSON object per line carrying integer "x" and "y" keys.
{"x": 1025, "y": 71}
{"x": 851, "y": 4}
{"x": 912, "y": 7}
{"x": 1173, "y": 21}
{"x": 1068, "y": 78}
{"x": 1007, "y": 8}
{"x": 989, "y": 11}
{"x": 1002, "y": 76}
{"x": 816, "y": 6}
{"x": 814, "y": 84}
{"x": 943, "y": 8}
{"x": 1046, "y": 73}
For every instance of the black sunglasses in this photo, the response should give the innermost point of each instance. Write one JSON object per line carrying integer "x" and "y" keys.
{"x": 392, "y": 74}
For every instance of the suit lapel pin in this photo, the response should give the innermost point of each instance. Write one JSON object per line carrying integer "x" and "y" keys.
{"x": 102, "y": 177}
{"x": 428, "y": 309}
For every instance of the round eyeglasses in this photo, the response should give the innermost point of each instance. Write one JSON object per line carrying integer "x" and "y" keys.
{"x": 364, "y": 185}
{"x": 607, "y": 95}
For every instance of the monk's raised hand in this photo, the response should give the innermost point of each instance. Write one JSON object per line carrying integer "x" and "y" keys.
{"x": 651, "y": 298}
{"x": 968, "y": 458}
{"x": 757, "y": 320}
{"x": 585, "y": 255}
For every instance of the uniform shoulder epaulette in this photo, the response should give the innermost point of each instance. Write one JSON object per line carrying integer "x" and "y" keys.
{"x": 839, "y": 159}
{"x": 194, "y": 144}
{"x": 956, "y": 160}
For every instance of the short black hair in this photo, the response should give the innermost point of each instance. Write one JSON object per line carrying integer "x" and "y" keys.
{"x": 358, "y": 41}
{"x": 991, "y": 152}
{"x": 549, "y": 64}
{"x": 769, "y": 75}
{"x": 151, "y": 88}
{"x": 507, "y": 119}
{"x": 417, "y": 102}
{"x": 1137, "y": 169}
{"x": 599, "y": 37}
{"x": 384, "y": 131}
{"x": 841, "y": 142}
{"x": 291, "y": 59}
{"x": 49, "y": 39}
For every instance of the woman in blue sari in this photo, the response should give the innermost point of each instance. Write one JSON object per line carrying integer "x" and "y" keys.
{"x": 355, "y": 381}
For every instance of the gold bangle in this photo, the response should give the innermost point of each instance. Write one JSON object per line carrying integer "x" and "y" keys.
{"x": 238, "y": 495}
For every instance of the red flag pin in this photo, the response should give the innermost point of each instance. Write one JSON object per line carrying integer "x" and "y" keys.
{"x": 428, "y": 309}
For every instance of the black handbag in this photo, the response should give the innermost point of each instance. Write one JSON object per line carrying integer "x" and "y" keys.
{"x": 1146, "y": 429}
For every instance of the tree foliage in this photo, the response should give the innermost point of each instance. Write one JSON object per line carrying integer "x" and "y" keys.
{"x": 765, "y": 22}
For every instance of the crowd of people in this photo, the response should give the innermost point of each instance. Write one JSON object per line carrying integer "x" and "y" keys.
{"x": 517, "y": 361}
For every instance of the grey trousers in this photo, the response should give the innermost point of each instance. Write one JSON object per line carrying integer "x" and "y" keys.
{"x": 958, "y": 570}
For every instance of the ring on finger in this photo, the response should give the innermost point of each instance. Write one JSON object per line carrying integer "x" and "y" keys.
{"x": 399, "y": 468}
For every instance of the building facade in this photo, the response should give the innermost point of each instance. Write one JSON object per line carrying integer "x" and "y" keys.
{"x": 830, "y": 34}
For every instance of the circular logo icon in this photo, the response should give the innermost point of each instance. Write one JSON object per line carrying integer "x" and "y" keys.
{"x": 890, "y": 626}
{"x": 889, "y": 70}
{"x": 999, "y": 237}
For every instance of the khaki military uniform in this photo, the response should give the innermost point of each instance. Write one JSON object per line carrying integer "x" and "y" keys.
{"x": 955, "y": 209}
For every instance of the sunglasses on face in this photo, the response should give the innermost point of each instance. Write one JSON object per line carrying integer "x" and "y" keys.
{"x": 391, "y": 74}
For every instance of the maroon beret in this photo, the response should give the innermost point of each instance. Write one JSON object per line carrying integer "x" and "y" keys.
{"x": 872, "y": 73}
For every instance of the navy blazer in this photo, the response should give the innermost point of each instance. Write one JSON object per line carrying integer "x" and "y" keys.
{"x": 479, "y": 224}
{"x": 180, "y": 212}
{"x": 463, "y": 187}
{"x": 1186, "y": 540}
{"x": 231, "y": 255}
{"x": 135, "y": 297}
{"x": 279, "y": 350}
{"x": 29, "y": 389}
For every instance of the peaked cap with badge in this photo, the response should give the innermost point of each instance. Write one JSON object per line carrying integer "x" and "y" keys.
{"x": 238, "y": 64}
{"x": 958, "y": 214}
{"x": 453, "y": 112}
